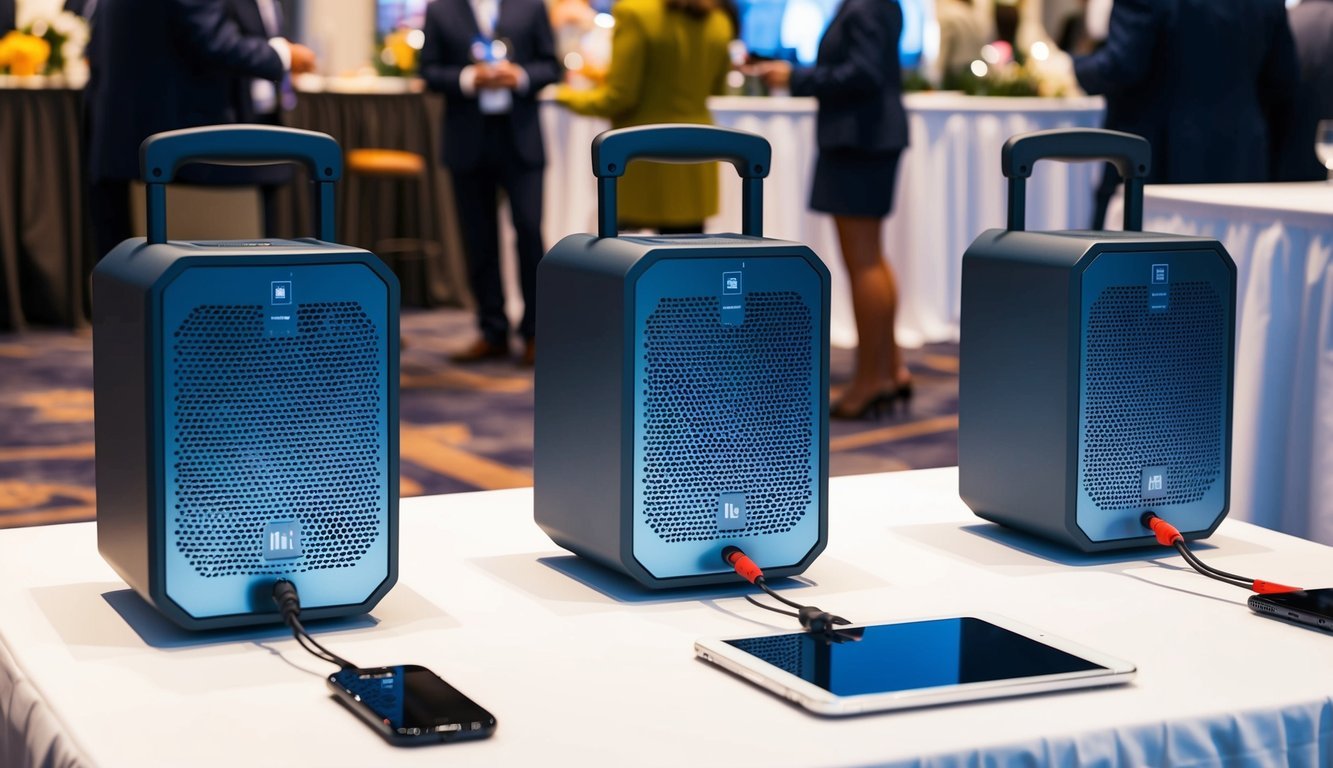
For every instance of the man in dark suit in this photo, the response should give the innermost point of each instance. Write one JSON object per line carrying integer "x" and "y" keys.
{"x": 1202, "y": 80}
{"x": 7, "y": 13}
{"x": 493, "y": 140}
{"x": 159, "y": 65}
{"x": 1312, "y": 26}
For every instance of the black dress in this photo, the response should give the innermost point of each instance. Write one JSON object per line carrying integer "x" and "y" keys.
{"x": 861, "y": 127}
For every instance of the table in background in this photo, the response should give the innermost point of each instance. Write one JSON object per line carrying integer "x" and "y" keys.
{"x": 45, "y": 246}
{"x": 1281, "y": 238}
{"x": 582, "y": 667}
{"x": 950, "y": 189}
{"x": 43, "y": 241}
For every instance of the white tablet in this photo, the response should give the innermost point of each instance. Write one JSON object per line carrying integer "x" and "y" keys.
{"x": 912, "y": 664}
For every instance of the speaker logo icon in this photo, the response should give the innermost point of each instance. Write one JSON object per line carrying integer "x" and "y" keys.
{"x": 731, "y": 283}
{"x": 731, "y": 512}
{"x": 281, "y": 292}
{"x": 1154, "y": 482}
{"x": 282, "y": 540}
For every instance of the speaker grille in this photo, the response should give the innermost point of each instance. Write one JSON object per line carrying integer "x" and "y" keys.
{"x": 1154, "y": 394}
{"x": 726, "y": 408}
{"x": 276, "y": 428}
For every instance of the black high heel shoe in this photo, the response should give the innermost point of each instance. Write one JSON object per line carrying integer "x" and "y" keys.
{"x": 883, "y": 400}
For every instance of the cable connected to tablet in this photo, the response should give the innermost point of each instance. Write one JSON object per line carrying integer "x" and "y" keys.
{"x": 812, "y": 618}
{"x": 289, "y": 604}
{"x": 1168, "y": 536}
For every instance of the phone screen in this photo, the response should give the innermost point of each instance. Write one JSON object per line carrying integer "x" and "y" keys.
{"x": 411, "y": 701}
{"x": 920, "y": 654}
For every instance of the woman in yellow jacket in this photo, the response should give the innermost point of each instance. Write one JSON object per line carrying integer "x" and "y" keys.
{"x": 667, "y": 57}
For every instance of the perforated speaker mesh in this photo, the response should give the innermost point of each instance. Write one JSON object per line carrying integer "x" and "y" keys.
{"x": 274, "y": 429}
{"x": 1154, "y": 394}
{"x": 727, "y": 409}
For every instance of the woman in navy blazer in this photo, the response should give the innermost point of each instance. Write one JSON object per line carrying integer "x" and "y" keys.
{"x": 861, "y": 130}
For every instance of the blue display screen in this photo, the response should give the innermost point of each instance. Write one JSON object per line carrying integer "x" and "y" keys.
{"x": 791, "y": 29}
{"x": 909, "y": 656}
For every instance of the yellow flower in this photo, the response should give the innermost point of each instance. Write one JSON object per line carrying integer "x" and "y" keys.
{"x": 23, "y": 54}
{"x": 403, "y": 54}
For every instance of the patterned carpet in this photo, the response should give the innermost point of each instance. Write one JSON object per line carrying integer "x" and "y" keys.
{"x": 463, "y": 429}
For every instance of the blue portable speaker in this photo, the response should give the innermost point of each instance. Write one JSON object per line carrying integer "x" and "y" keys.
{"x": 1096, "y": 367}
{"x": 246, "y": 397}
{"x": 682, "y": 383}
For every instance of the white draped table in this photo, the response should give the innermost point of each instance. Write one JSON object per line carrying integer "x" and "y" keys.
{"x": 583, "y": 668}
{"x": 1281, "y": 238}
{"x": 949, "y": 190}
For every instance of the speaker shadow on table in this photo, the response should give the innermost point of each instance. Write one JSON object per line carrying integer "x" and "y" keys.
{"x": 1012, "y": 552}
{"x": 109, "y": 615}
{"x": 572, "y": 585}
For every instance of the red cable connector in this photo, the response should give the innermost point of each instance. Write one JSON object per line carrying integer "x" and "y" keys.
{"x": 742, "y": 564}
{"x": 1166, "y": 533}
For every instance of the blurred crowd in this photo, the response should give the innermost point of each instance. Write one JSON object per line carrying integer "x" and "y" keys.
{"x": 1225, "y": 90}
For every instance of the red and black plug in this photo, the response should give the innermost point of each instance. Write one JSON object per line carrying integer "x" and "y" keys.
{"x": 1168, "y": 536}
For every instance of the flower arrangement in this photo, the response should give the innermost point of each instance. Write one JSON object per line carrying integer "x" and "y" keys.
{"x": 1004, "y": 72}
{"x": 398, "y": 52}
{"x": 64, "y": 35}
{"x": 23, "y": 54}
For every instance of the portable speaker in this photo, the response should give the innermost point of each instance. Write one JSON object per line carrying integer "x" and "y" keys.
{"x": 1096, "y": 367}
{"x": 682, "y": 383}
{"x": 246, "y": 399}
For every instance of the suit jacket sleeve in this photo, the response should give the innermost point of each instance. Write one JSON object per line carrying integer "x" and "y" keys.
{"x": 438, "y": 69}
{"x": 620, "y": 93}
{"x": 860, "y": 71}
{"x": 1126, "y": 58}
{"x": 207, "y": 36}
{"x": 543, "y": 69}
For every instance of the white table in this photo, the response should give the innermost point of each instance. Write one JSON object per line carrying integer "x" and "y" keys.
{"x": 588, "y": 670}
{"x": 950, "y": 189}
{"x": 1281, "y": 238}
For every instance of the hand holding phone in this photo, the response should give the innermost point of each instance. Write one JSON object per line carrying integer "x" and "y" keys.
{"x": 408, "y": 704}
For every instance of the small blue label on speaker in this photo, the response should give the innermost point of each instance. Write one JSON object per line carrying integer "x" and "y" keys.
{"x": 280, "y": 318}
{"x": 1154, "y": 482}
{"x": 731, "y": 512}
{"x": 733, "y": 300}
{"x": 281, "y": 292}
{"x": 282, "y": 540}
{"x": 1159, "y": 296}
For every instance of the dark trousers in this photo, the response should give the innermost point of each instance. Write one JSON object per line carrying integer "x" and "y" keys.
{"x": 476, "y": 197}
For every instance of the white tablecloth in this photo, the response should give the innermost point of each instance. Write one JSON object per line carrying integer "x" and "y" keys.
{"x": 950, "y": 189}
{"x": 1281, "y": 238}
{"x": 581, "y": 668}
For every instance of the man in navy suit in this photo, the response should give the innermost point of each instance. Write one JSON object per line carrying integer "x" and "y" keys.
{"x": 1203, "y": 80}
{"x": 1312, "y": 26}
{"x": 490, "y": 58}
{"x": 7, "y": 12}
{"x": 159, "y": 65}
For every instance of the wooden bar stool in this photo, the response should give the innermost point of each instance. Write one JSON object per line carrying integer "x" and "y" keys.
{"x": 398, "y": 165}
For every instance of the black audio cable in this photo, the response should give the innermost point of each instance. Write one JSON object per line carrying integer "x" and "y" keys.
{"x": 811, "y": 618}
{"x": 289, "y": 604}
{"x": 1168, "y": 536}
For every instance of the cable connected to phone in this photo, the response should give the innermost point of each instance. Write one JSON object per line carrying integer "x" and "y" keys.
{"x": 811, "y": 618}
{"x": 289, "y": 604}
{"x": 1168, "y": 536}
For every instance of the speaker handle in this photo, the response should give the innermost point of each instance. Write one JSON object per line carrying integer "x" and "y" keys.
{"x": 681, "y": 143}
{"x": 1130, "y": 154}
{"x": 161, "y": 156}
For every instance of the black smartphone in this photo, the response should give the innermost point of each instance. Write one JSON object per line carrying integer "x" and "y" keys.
{"x": 408, "y": 704}
{"x": 1311, "y": 607}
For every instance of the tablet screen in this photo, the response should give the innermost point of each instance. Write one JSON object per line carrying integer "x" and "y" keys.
{"x": 921, "y": 654}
